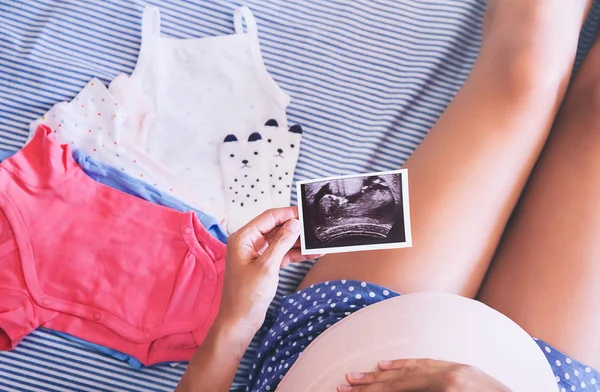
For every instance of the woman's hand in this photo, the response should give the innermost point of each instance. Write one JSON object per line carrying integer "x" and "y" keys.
{"x": 255, "y": 253}
{"x": 420, "y": 375}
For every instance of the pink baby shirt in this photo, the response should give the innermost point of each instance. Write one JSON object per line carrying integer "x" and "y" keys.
{"x": 82, "y": 258}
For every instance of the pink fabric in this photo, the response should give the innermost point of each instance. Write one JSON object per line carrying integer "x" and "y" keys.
{"x": 82, "y": 258}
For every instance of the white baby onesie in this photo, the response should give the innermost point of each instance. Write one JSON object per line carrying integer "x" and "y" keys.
{"x": 203, "y": 90}
{"x": 245, "y": 170}
{"x": 98, "y": 125}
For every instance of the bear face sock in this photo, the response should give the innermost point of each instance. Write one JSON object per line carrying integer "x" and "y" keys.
{"x": 283, "y": 148}
{"x": 245, "y": 173}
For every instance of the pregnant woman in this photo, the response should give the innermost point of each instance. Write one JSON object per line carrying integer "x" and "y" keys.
{"x": 482, "y": 159}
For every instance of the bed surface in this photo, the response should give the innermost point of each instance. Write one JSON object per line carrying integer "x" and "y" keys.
{"x": 368, "y": 78}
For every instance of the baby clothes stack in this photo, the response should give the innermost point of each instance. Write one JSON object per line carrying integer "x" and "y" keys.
{"x": 114, "y": 216}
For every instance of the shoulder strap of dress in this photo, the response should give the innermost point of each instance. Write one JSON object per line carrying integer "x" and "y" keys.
{"x": 241, "y": 15}
{"x": 150, "y": 24}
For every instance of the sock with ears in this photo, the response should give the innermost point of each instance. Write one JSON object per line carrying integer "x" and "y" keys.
{"x": 283, "y": 148}
{"x": 245, "y": 173}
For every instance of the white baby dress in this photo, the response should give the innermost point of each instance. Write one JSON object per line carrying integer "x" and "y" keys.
{"x": 203, "y": 90}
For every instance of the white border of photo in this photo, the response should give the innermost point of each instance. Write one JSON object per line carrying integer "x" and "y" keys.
{"x": 357, "y": 248}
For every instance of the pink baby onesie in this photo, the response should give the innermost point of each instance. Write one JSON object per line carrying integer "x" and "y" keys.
{"x": 82, "y": 258}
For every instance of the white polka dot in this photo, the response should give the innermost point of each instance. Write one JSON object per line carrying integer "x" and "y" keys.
{"x": 547, "y": 349}
{"x": 576, "y": 372}
{"x": 266, "y": 343}
{"x": 301, "y": 335}
{"x": 303, "y": 295}
{"x": 317, "y": 290}
{"x": 299, "y": 306}
{"x": 285, "y": 366}
{"x": 315, "y": 303}
{"x": 353, "y": 306}
{"x": 294, "y": 344}
{"x": 310, "y": 338}
{"x": 329, "y": 301}
{"x": 323, "y": 296}
{"x": 358, "y": 296}
{"x": 328, "y": 325}
{"x": 567, "y": 377}
{"x": 339, "y": 293}
{"x": 296, "y": 320}
{"x": 291, "y": 301}
{"x": 568, "y": 360}
{"x": 582, "y": 385}
{"x": 347, "y": 313}
{"x": 310, "y": 328}
{"x": 281, "y": 376}
{"x": 268, "y": 388}
{"x": 351, "y": 288}
{"x": 345, "y": 300}
{"x": 286, "y": 328}
{"x": 320, "y": 318}
{"x": 343, "y": 281}
{"x": 326, "y": 283}
{"x": 363, "y": 284}
{"x": 287, "y": 353}
{"x": 333, "y": 287}
{"x": 291, "y": 315}
{"x": 371, "y": 294}
{"x": 321, "y": 311}
{"x": 254, "y": 366}
{"x": 273, "y": 359}
{"x": 258, "y": 356}
{"x": 308, "y": 298}
{"x": 386, "y": 292}
{"x": 587, "y": 369}
{"x": 557, "y": 379}
{"x": 593, "y": 381}
{"x": 558, "y": 363}
{"x": 305, "y": 311}
{"x": 573, "y": 388}
{"x": 309, "y": 324}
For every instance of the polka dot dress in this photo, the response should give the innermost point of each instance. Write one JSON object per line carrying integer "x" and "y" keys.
{"x": 570, "y": 374}
{"x": 305, "y": 315}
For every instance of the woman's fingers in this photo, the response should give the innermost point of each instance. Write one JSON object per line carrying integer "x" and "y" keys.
{"x": 282, "y": 243}
{"x": 253, "y": 238}
{"x": 295, "y": 256}
{"x": 413, "y": 362}
{"x": 378, "y": 377}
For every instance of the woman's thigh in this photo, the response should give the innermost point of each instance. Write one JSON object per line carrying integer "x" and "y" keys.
{"x": 466, "y": 176}
{"x": 545, "y": 274}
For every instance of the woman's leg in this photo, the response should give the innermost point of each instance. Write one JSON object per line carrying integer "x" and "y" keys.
{"x": 466, "y": 176}
{"x": 546, "y": 272}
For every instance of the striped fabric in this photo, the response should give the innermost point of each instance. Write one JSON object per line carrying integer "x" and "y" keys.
{"x": 368, "y": 78}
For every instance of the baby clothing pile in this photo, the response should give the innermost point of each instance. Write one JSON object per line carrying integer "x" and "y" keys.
{"x": 112, "y": 216}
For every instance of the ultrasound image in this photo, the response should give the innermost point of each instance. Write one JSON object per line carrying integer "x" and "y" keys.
{"x": 353, "y": 211}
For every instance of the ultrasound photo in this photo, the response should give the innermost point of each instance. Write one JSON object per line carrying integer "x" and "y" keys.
{"x": 353, "y": 213}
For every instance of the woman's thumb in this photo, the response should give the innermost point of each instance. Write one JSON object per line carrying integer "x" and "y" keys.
{"x": 282, "y": 242}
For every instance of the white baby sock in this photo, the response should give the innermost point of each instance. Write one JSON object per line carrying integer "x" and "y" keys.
{"x": 283, "y": 148}
{"x": 245, "y": 173}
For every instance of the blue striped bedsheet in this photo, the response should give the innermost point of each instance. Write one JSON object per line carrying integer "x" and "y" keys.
{"x": 368, "y": 78}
